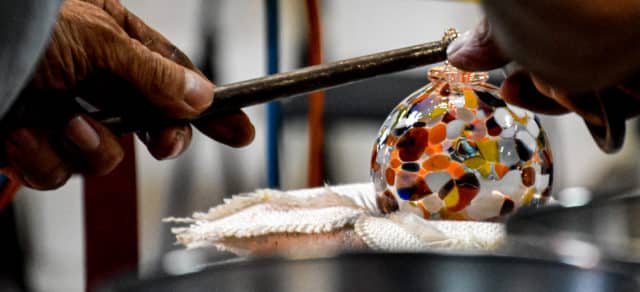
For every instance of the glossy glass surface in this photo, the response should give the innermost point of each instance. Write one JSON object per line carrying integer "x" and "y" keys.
{"x": 455, "y": 150}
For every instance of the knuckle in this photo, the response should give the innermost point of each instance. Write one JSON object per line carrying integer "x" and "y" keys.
{"x": 167, "y": 75}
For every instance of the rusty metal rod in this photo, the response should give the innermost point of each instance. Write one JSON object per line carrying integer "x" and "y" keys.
{"x": 260, "y": 90}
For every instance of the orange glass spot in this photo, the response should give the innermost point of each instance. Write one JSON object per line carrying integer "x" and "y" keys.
{"x": 390, "y": 176}
{"x": 536, "y": 157}
{"x": 437, "y": 134}
{"x": 455, "y": 170}
{"x": 434, "y": 149}
{"x": 395, "y": 163}
{"x": 425, "y": 213}
{"x": 422, "y": 97}
{"x": 423, "y": 172}
{"x": 436, "y": 162}
{"x": 501, "y": 169}
{"x": 391, "y": 140}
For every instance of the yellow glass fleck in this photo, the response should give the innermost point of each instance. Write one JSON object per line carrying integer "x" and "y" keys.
{"x": 528, "y": 196}
{"x": 438, "y": 111}
{"x": 489, "y": 149}
{"x": 522, "y": 120}
{"x": 485, "y": 170}
{"x": 470, "y": 98}
{"x": 475, "y": 162}
{"x": 452, "y": 198}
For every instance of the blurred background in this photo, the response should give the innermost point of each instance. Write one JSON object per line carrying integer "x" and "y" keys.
{"x": 227, "y": 40}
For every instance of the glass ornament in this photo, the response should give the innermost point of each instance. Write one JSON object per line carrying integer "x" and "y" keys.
{"x": 454, "y": 150}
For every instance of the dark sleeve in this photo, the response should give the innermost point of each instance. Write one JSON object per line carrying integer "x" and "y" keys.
{"x": 25, "y": 26}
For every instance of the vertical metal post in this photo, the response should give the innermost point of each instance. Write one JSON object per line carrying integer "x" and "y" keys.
{"x": 274, "y": 111}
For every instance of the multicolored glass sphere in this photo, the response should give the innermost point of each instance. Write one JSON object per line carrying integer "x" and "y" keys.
{"x": 454, "y": 150}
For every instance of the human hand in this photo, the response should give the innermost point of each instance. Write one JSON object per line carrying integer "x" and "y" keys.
{"x": 568, "y": 60}
{"x": 104, "y": 54}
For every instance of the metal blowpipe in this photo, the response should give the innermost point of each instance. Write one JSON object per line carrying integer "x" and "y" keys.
{"x": 269, "y": 88}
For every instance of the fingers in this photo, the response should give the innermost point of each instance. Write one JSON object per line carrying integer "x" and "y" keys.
{"x": 519, "y": 90}
{"x": 150, "y": 38}
{"x": 139, "y": 30}
{"x": 476, "y": 50}
{"x": 154, "y": 42}
{"x": 175, "y": 91}
{"x": 631, "y": 87}
{"x": 585, "y": 104}
{"x": 171, "y": 89}
{"x": 528, "y": 91}
{"x": 600, "y": 110}
{"x": 233, "y": 129}
{"x": 36, "y": 162}
{"x": 47, "y": 160}
{"x": 167, "y": 143}
{"x": 91, "y": 147}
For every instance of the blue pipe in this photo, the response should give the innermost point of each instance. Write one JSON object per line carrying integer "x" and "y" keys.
{"x": 274, "y": 111}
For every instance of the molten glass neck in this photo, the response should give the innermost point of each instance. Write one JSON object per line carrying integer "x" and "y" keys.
{"x": 454, "y": 76}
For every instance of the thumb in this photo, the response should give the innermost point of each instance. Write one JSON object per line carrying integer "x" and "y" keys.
{"x": 476, "y": 50}
{"x": 176, "y": 91}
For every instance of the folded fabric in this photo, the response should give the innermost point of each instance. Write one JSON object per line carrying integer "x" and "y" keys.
{"x": 325, "y": 220}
